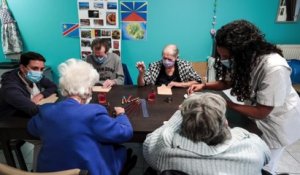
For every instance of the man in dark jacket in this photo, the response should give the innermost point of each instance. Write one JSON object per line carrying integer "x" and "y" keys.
{"x": 22, "y": 88}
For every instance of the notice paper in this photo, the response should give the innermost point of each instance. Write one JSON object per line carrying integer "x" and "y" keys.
{"x": 51, "y": 99}
{"x": 232, "y": 98}
{"x": 164, "y": 90}
{"x": 101, "y": 89}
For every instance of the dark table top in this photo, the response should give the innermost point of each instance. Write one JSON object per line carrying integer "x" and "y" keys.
{"x": 159, "y": 111}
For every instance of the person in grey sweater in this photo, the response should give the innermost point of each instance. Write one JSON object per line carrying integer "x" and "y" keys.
{"x": 197, "y": 140}
{"x": 108, "y": 65}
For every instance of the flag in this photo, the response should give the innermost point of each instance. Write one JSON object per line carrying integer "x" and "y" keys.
{"x": 71, "y": 30}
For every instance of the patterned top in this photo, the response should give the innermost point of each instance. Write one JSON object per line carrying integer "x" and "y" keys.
{"x": 186, "y": 72}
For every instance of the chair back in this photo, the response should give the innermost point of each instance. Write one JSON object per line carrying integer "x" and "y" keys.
{"x": 7, "y": 170}
{"x": 127, "y": 77}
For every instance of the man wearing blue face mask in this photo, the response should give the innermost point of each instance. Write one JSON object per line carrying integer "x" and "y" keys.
{"x": 170, "y": 70}
{"x": 24, "y": 87}
{"x": 108, "y": 65}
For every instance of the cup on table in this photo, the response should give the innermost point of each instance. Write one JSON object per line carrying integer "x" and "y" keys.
{"x": 151, "y": 96}
{"x": 102, "y": 98}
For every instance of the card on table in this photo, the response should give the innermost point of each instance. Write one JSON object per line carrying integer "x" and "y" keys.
{"x": 164, "y": 90}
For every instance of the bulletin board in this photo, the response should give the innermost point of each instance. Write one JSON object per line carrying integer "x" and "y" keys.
{"x": 99, "y": 19}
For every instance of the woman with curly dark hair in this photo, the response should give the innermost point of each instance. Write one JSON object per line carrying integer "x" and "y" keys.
{"x": 259, "y": 76}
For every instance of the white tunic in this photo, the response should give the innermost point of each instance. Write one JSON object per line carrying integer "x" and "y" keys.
{"x": 271, "y": 86}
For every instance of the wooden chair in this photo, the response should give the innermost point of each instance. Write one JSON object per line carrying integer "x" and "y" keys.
{"x": 7, "y": 170}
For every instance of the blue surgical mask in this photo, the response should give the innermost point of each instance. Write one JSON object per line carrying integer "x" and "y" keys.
{"x": 168, "y": 63}
{"x": 100, "y": 60}
{"x": 34, "y": 76}
{"x": 225, "y": 62}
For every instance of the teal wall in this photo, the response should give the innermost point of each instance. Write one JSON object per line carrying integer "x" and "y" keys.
{"x": 185, "y": 23}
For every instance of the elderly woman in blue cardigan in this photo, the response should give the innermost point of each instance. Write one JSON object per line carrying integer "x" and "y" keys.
{"x": 75, "y": 134}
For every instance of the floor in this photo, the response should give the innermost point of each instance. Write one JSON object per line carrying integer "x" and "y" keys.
{"x": 289, "y": 163}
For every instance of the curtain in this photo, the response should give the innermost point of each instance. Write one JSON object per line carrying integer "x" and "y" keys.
{"x": 11, "y": 41}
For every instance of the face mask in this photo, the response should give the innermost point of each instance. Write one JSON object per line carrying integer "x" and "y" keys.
{"x": 168, "y": 63}
{"x": 34, "y": 76}
{"x": 226, "y": 63}
{"x": 100, "y": 60}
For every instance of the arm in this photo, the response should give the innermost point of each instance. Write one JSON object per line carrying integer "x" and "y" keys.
{"x": 141, "y": 68}
{"x": 257, "y": 112}
{"x": 182, "y": 84}
{"x": 217, "y": 85}
{"x": 141, "y": 81}
{"x": 111, "y": 130}
{"x": 19, "y": 99}
{"x": 33, "y": 126}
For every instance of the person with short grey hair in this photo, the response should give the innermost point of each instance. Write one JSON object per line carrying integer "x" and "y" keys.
{"x": 197, "y": 140}
{"x": 205, "y": 122}
{"x": 170, "y": 70}
{"x": 77, "y": 134}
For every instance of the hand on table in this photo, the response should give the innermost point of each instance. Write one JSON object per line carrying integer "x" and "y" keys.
{"x": 195, "y": 87}
{"x": 108, "y": 83}
{"x": 119, "y": 110}
{"x": 37, "y": 98}
{"x": 173, "y": 83}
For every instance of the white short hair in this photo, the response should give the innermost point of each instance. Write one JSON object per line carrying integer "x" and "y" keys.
{"x": 171, "y": 49}
{"x": 77, "y": 77}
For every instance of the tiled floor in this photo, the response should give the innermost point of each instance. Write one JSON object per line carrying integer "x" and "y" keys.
{"x": 289, "y": 163}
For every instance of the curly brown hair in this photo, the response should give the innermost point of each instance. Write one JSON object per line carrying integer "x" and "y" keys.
{"x": 246, "y": 45}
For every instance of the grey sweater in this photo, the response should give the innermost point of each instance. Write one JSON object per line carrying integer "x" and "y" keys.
{"x": 111, "y": 68}
{"x": 244, "y": 154}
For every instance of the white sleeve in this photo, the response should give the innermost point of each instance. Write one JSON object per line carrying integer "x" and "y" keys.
{"x": 274, "y": 87}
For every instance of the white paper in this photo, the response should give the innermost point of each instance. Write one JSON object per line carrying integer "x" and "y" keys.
{"x": 232, "y": 98}
{"x": 164, "y": 90}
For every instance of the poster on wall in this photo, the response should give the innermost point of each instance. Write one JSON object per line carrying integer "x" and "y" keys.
{"x": 134, "y": 20}
{"x": 113, "y": 37}
{"x": 98, "y": 13}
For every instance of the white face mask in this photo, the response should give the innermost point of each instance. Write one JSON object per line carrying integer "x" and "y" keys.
{"x": 225, "y": 62}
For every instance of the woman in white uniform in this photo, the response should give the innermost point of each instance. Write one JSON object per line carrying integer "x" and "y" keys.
{"x": 260, "y": 76}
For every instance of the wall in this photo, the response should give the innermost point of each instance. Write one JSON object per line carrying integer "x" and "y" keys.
{"x": 185, "y": 23}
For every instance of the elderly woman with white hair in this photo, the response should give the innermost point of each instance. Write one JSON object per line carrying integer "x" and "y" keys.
{"x": 197, "y": 140}
{"x": 75, "y": 134}
{"x": 170, "y": 70}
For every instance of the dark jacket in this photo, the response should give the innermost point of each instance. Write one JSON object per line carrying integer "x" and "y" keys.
{"x": 15, "y": 98}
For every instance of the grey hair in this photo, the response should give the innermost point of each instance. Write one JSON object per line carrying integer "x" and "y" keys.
{"x": 77, "y": 77}
{"x": 203, "y": 119}
{"x": 171, "y": 49}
